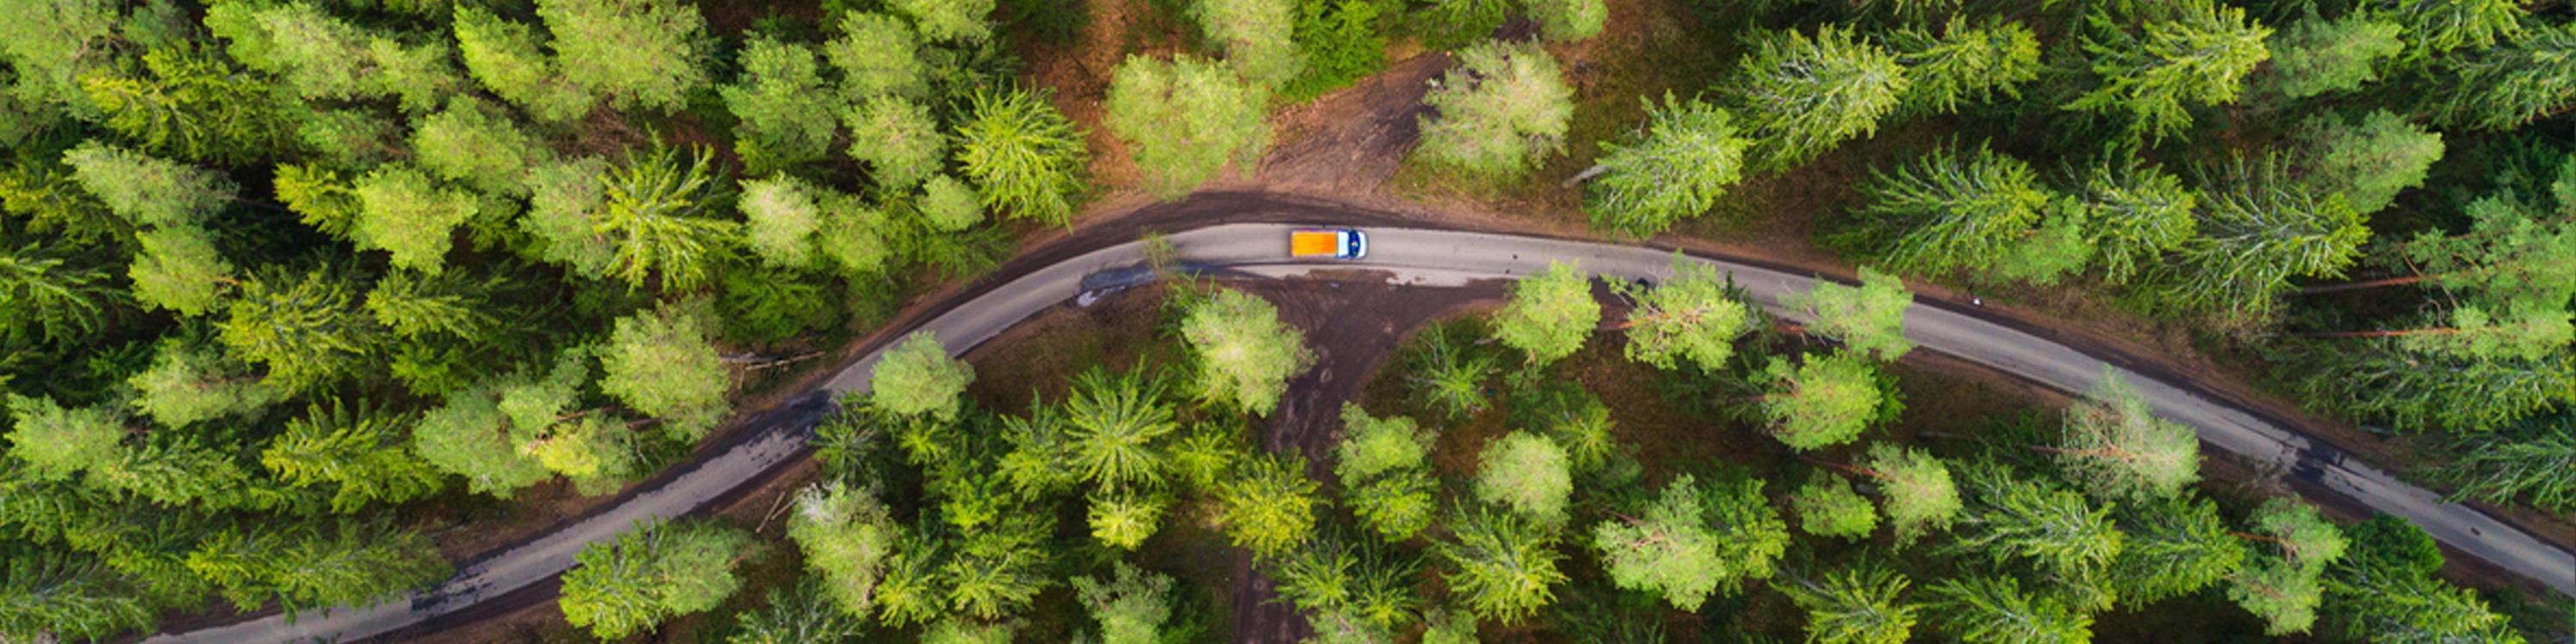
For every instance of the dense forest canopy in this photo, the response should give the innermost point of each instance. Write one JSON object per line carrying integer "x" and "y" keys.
{"x": 287, "y": 286}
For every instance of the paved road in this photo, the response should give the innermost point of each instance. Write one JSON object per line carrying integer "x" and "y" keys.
{"x": 1420, "y": 257}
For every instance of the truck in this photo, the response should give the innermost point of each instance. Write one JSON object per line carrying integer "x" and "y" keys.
{"x": 1327, "y": 243}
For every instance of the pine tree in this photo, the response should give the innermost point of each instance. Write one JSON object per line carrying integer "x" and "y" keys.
{"x": 878, "y": 55}
{"x": 2437, "y": 26}
{"x": 179, "y": 269}
{"x": 51, "y": 46}
{"x": 2281, "y": 582}
{"x": 632, "y": 53}
{"x": 506, "y": 57}
{"x": 799, "y": 615}
{"x": 1550, "y": 314}
{"x": 60, "y": 299}
{"x": 649, "y": 574}
{"x": 949, "y": 205}
{"x": 409, "y": 217}
{"x": 1243, "y": 354}
{"x": 847, "y": 536}
{"x": 1130, "y": 606}
{"x": 1451, "y": 373}
{"x": 57, "y": 443}
{"x": 662, "y": 364}
{"x": 657, "y": 218}
{"x": 469, "y": 436}
{"x": 2158, "y": 62}
{"x": 1824, "y": 401}
{"x": 1185, "y": 118}
{"x": 147, "y": 190}
{"x": 2316, "y": 56}
{"x": 2117, "y": 449}
{"x": 2370, "y": 161}
{"x": 192, "y": 104}
{"x": 1348, "y": 588}
{"x": 2015, "y": 520}
{"x": 899, "y": 141}
{"x": 1528, "y": 474}
{"x": 1693, "y": 540}
{"x": 1255, "y": 35}
{"x": 1826, "y": 506}
{"x": 1964, "y": 63}
{"x": 1868, "y": 319}
{"x": 917, "y": 377}
{"x": 2529, "y": 77}
{"x": 2387, "y": 592}
{"x": 1115, "y": 425}
{"x": 2134, "y": 215}
{"x": 361, "y": 455}
{"x": 1673, "y": 167}
{"x": 1568, "y": 20}
{"x": 1690, "y": 315}
{"x": 2256, "y": 233}
{"x": 1800, "y": 96}
{"x": 1023, "y": 155}
{"x": 786, "y": 117}
{"x": 49, "y": 594}
{"x": 1503, "y": 566}
{"x": 2175, "y": 547}
{"x": 1994, "y": 610}
{"x": 1950, "y": 212}
{"x": 309, "y": 330}
{"x": 1917, "y": 489}
{"x": 998, "y": 569}
{"x": 188, "y": 383}
{"x": 2535, "y": 468}
{"x": 1374, "y": 446}
{"x": 302, "y": 567}
{"x": 473, "y": 144}
{"x": 1863, "y": 604}
{"x": 1503, "y": 109}
{"x": 781, "y": 215}
{"x": 947, "y": 20}
{"x": 1268, "y": 506}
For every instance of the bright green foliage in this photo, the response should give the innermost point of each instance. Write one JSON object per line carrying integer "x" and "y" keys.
{"x": 2056, "y": 249}
{"x": 1826, "y": 506}
{"x": 878, "y": 56}
{"x": 188, "y": 383}
{"x": 309, "y": 332}
{"x": 898, "y": 140}
{"x": 2117, "y": 449}
{"x": 412, "y": 219}
{"x": 1503, "y": 565}
{"x": 2438, "y": 26}
{"x": 1123, "y": 520}
{"x": 148, "y": 190}
{"x": 949, "y": 204}
{"x": 56, "y": 442}
{"x": 1949, "y": 212}
{"x": 798, "y": 615}
{"x": 505, "y": 56}
{"x": 1672, "y": 169}
{"x": 917, "y": 377}
{"x": 2300, "y": 533}
{"x": 997, "y": 570}
{"x": 909, "y": 591}
{"x": 1024, "y": 156}
{"x": 51, "y": 44}
{"x": 45, "y": 594}
{"x": 959, "y": 631}
{"x": 2510, "y": 265}
{"x": 2285, "y": 597}
{"x": 1800, "y": 97}
{"x": 1502, "y": 109}
{"x": 1130, "y": 607}
{"x": 1965, "y": 64}
{"x": 1255, "y": 37}
{"x": 785, "y": 117}
{"x": 1694, "y": 540}
{"x": 1917, "y": 488}
{"x": 178, "y": 270}
{"x": 1451, "y": 372}
{"x": 564, "y": 199}
{"x": 414, "y": 305}
{"x": 1550, "y": 314}
{"x": 2387, "y": 592}
{"x": 661, "y": 364}
{"x": 781, "y": 216}
{"x": 2157, "y": 65}
{"x": 1244, "y": 354}
{"x": 1349, "y": 588}
{"x": 319, "y": 56}
{"x": 847, "y": 536}
{"x": 851, "y": 237}
{"x": 1374, "y": 446}
{"x": 321, "y": 197}
{"x": 2135, "y": 213}
{"x": 1867, "y": 319}
{"x": 658, "y": 219}
{"x": 360, "y": 455}
{"x": 633, "y": 53}
{"x": 1572, "y": 418}
{"x": 2369, "y": 162}
{"x": 1984, "y": 609}
{"x": 631, "y": 584}
{"x": 2538, "y": 471}
{"x": 1397, "y": 505}
{"x": 193, "y": 104}
{"x": 947, "y": 20}
{"x": 2319, "y": 56}
{"x": 1690, "y": 315}
{"x": 2259, "y": 230}
{"x": 471, "y": 144}
{"x": 1527, "y": 473}
{"x": 1824, "y": 401}
{"x": 471, "y": 437}
{"x": 1114, "y": 424}
{"x": 2281, "y": 583}
{"x": 1343, "y": 42}
{"x": 1863, "y": 604}
{"x": 2530, "y": 77}
{"x": 304, "y": 567}
{"x": 1564, "y": 20}
{"x": 1185, "y": 118}
{"x": 2175, "y": 547}
{"x": 1268, "y": 507}
{"x": 59, "y": 298}
{"x": 2017, "y": 520}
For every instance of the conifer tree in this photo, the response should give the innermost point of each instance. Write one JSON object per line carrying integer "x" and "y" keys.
{"x": 409, "y": 217}
{"x": 1801, "y": 96}
{"x": 1965, "y": 63}
{"x": 2134, "y": 215}
{"x": 2316, "y": 56}
{"x": 847, "y": 537}
{"x": 633, "y": 583}
{"x": 1826, "y": 506}
{"x": 1863, "y": 604}
{"x": 309, "y": 330}
{"x": 2159, "y": 61}
{"x": 2175, "y": 547}
{"x": 147, "y": 190}
{"x": 1674, "y": 167}
{"x": 947, "y": 20}
{"x": 1502, "y": 110}
{"x": 917, "y": 377}
{"x": 1824, "y": 401}
{"x": 1550, "y": 314}
{"x": 1503, "y": 566}
{"x": 507, "y": 57}
{"x": 2117, "y": 449}
{"x": 898, "y": 140}
{"x": 1244, "y": 354}
{"x": 1255, "y": 35}
{"x": 1868, "y": 319}
{"x": 1186, "y": 118}
{"x": 1691, "y": 315}
{"x": 661, "y": 363}
{"x": 631, "y": 53}
{"x": 786, "y": 117}
{"x": 1995, "y": 610}
{"x": 1024, "y": 156}
{"x": 1268, "y": 507}
{"x": 1951, "y": 212}
{"x": 878, "y": 55}
{"x": 472, "y": 144}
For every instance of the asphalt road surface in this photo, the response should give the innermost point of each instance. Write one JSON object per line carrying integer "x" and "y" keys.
{"x": 1411, "y": 256}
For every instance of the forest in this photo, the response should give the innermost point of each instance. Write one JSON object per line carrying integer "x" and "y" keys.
{"x": 303, "y": 303}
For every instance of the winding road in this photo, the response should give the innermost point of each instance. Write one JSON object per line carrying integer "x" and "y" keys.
{"x": 776, "y": 437}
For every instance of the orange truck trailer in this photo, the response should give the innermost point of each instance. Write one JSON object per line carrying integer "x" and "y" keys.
{"x": 1327, "y": 243}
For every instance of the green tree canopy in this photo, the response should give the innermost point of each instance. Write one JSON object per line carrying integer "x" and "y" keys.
{"x": 2371, "y": 160}
{"x": 410, "y": 217}
{"x": 1950, "y": 212}
{"x": 471, "y": 437}
{"x": 1244, "y": 354}
{"x": 1983, "y": 609}
{"x": 2530, "y": 76}
{"x": 949, "y": 204}
{"x": 2174, "y": 547}
{"x": 785, "y": 116}
{"x": 148, "y": 190}
{"x": 632, "y": 583}
{"x": 1965, "y": 63}
{"x": 1691, "y": 315}
{"x": 1868, "y": 319}
{"x": 1564, "y": 20}
{"x": 1185, "y": 118}
{"x": 1255, "y": 35}
{"x": 1826, "y": 506}
{"x": 1824, "y": 401}
{"x": 1917, "y": 490}
{"x": 661, "y": 364}
{"x": 1023, "y": 155}
{"x": 1268, "y": 507}
{"x": 1862, "y": 604}
{"x": 190, "y": 382}
{"x": 1801, "y": 96}
{"x": 1115, "y": 424}
{"x": 2158, "y": 62}
{"x": 2437, "y": 26}
{"x": 781, "y": 215}
{"x": 917, "y": 377}
{"x": 2017, "y": 520}
{"x": 178, "y": 269}
{"x": 1503, "y": 565}
{"x": 58, "y": 442}
{"x": 1499, "y": 112}
{"x": 1550, "y": 314}
{"x": 2117, "y": 449}
{"x": 847, "y": 537}
{"x": 878, "y": 55}
{"x": 2318, "y": 56}
{"x": 1130, "y": 606}
{"x": 1527, "y": 473}
{"x": 472, "y": 144}
{"x": 1693, "y": 540}
{"x": 633, "y": 53}
{"x": 2257, "y": 231}
{"x": 1673, "y": 168}
{"x": 355, "y": 453}
{"x": 947, "y": 20}
{"x": 309, "y": 331}
{"x": 509, "y": 59}
{"x": 657, "y": 219}
{"x": 2135, "y": 214}
{"x": 900, "y": 141}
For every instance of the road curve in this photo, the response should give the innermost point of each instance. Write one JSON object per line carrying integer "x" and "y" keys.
{"x": 1411, "y": 256}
